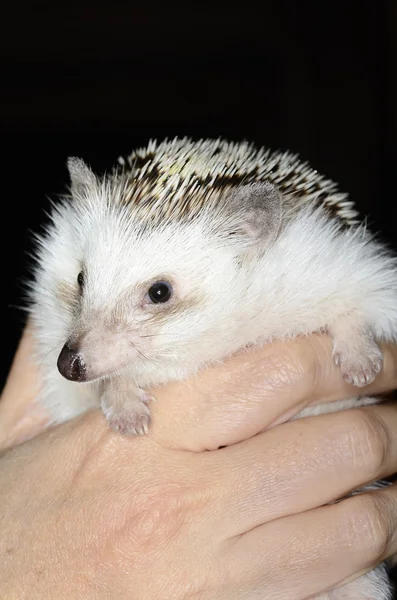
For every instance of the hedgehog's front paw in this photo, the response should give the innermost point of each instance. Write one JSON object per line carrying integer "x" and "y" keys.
{"x": 131, "y": 421}
{"x": 126, "y": 408}
{"x": 358, "y": 369}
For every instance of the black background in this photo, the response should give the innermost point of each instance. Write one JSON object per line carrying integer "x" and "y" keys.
{"x": 93, "y": 80}
{"x": 316, "y": 77}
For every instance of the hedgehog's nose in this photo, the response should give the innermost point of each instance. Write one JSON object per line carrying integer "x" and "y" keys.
{"x": 70, "y": 364}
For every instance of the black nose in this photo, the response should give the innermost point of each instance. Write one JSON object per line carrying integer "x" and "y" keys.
{"x": 70, "y": 364}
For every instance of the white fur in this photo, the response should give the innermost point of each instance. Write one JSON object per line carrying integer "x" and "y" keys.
{"x": 311, "y": 276}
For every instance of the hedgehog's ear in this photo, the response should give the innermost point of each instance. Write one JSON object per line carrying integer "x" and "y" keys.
{"x": 81, "y": 177}
{"x": 259, "y": 210}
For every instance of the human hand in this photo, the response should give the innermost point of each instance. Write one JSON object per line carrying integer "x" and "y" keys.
{"x": 89, "y": 513}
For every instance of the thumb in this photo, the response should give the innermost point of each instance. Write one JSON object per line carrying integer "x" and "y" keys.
{"x": 21, "y": 418}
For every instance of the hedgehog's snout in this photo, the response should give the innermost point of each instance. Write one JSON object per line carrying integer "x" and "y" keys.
{"x": 71, "y": 364}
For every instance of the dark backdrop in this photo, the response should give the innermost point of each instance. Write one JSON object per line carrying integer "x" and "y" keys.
{"x": 315, "y": 77}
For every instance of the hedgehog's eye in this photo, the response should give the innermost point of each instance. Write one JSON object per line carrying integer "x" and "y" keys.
{"x": 160, "y": 292}
{"x": 80, "y": 279}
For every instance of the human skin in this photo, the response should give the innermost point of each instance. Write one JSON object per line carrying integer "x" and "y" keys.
{"x": 88, "y": 513}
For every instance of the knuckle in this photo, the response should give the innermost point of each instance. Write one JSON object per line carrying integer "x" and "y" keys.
{"x": 163, "y": 513}
{"x": 370, "y": 527}
{"x": 371, "y": 441}
{"x": 157, "y": 518}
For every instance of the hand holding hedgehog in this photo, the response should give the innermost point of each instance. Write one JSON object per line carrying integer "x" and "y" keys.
{"x": 268, "y": 489}
{"x": 189, "y": 252}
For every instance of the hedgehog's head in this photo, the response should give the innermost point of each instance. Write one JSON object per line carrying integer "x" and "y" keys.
{"x": 146, "y": 293}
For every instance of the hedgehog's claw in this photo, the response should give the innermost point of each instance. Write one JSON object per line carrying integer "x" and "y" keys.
{"x": 126, "y": 409}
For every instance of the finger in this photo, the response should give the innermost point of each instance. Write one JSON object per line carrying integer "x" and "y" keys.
{"x": 20, "y": 416}
{"x": 301, "y": 465}
{"x": 229, "y": 402}
{"x": 319, "y": 549}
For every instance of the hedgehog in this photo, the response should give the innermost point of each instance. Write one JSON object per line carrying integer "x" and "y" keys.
{"x": 186, "y": 252}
